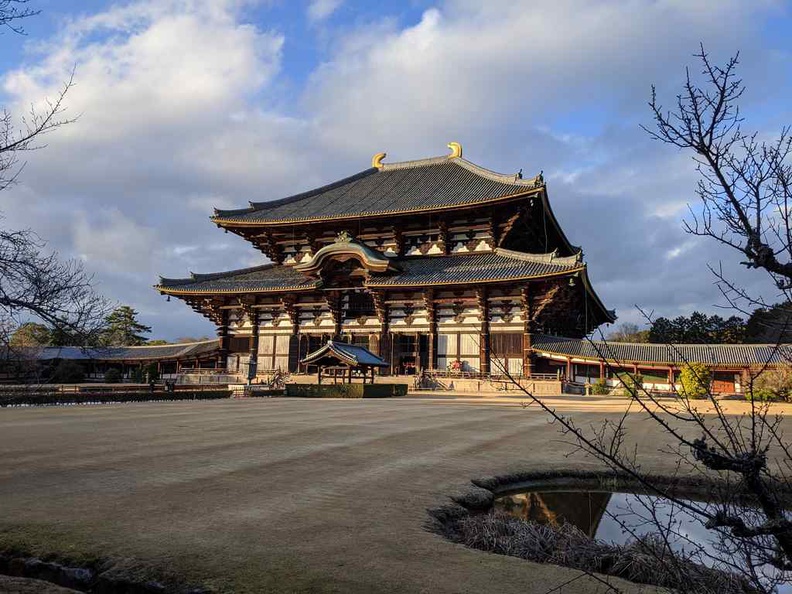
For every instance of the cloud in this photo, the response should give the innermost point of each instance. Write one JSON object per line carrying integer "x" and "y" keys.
{"x": 319, "y": 10}
{"x": 187, "y": 104}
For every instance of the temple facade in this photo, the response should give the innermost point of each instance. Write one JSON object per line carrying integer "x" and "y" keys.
{"x": 431, "y": 264}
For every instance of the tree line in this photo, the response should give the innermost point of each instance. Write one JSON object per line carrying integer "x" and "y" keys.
{"x": 768, "y": 325}
{"x": 120, "y": 327}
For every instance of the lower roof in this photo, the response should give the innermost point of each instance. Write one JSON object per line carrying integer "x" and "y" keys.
{"x": 351, "y": 354}
{"x": 416, "y": 271}
{"x": 185, "y": 350}
{"x": 736, "y": 355}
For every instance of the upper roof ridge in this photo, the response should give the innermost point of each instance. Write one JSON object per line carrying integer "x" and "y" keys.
{"x": 416, "y": 163}
{"x": 505, "y": 178}
{"x": 549, "y": 258}
{"x": 194, "y": 276}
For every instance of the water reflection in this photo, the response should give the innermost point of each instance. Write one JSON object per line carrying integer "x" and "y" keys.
{"x": 583, "y": 509}
{"x": 620, "y": 517}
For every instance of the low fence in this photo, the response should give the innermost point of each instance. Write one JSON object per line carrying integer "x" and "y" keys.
{"x": 52, "y": 395}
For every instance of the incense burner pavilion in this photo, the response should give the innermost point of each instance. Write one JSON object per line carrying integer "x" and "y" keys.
{"x": 432, "y": 264}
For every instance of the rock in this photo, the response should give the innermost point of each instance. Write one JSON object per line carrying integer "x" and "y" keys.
{"x": 20, "y": 585}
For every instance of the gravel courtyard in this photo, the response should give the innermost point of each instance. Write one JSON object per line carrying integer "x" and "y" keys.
{"x": 281, "y": 494}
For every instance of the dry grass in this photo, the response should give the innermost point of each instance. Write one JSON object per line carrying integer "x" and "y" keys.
{"x": 645, "y": 560}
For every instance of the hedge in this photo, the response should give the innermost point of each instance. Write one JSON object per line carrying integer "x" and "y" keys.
{"x": 345, "y": 390}
{"x": 49, "y": 398}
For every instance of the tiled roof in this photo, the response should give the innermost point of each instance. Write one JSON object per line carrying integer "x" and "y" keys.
{"x": 166, "y": 351}
{"x": 348, "y": 353}
{"x": 711, "y": 354}
{"x": 474, "y": 267}
{"x": 427, "y": 184}
{"x": 413, "y": 271}
{"x": 269, "y": 277}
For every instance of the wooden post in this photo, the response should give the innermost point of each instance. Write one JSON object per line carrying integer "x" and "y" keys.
{"x": 528, "y": 327}
{"x": 335, "y": 304}
{"x": 602, "y": 370}
{"x": 224, "y": 340}
{"x": 431, "y": 310}
{"x": 386, "y": 340}
{"x": 253, "y": 316}
{"x": 484, "y": 337}
{"x": 569, "y": 375}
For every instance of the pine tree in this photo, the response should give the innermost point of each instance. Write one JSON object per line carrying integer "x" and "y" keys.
{"x": 123, "y": 328}
{"x": 31, "y": 334}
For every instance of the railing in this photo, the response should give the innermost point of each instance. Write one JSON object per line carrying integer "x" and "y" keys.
{"x": 494, "y": 376}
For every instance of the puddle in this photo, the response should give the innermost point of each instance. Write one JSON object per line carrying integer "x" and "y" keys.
{"x": 620, "y": 517}
{"x": 607, "y": 516}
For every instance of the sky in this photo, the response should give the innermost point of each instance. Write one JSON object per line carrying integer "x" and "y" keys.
{"x": 186, "y": 105}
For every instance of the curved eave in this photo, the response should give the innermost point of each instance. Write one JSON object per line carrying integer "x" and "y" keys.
{"x": 368, "y": 257}
{"x": 509, "y": 279}
{"x": 609, "y": 315}
{"x": 343, "y": 358}
{"x": 177, "y": 291}
{"x": 554, "y": 221}
{"x": 230, "y": 223}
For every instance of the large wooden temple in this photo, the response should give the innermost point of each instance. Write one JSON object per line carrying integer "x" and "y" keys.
{"x": 432, "y": 264}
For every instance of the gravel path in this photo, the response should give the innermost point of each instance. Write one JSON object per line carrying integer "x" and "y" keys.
{"x": 280, "y": 494}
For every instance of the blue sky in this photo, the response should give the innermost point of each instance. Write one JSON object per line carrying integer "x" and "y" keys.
{"x": 189, "y": 104}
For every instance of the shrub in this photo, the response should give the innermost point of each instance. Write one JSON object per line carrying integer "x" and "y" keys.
{"x": 152, "y": 373}
{"x": 695, "y": 380}
{"x": 112, "y": 376}
{"x": 772, "y": 384}
{"x": 633, "y": 383}
{"x": 600, "y": 388}
{"x": 138, "y": 376}
{"x": 345, "y": 390}
{"x": 39, "y": 398}
{"x": 67, "y": 372}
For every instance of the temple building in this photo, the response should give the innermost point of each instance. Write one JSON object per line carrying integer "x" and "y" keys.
{"x": 431, "y": 264}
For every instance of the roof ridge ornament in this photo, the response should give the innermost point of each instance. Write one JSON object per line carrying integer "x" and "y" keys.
{"x": 344, "y": 237}
{"x": 376, "y": 160}
{"x": 456, "y": 150}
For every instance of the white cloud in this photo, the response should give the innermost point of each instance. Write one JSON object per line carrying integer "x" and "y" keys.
{"x": 319, "y": 10}
{"x": 184, "y": 106}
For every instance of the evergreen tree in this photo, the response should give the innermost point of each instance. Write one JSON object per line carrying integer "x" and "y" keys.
{"x": 770, "y": 325}
{"x": 31, "y": 334}
{"x": 698, "y": 328}
{"x": 123, "y": 328}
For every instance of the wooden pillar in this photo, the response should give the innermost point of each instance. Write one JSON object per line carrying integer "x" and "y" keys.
{"x": 431, "y": 309}
{"x": 385, "y": 340}
{"x": 482, "y": 297}
{"x": 528, "y": 329}
{"x": 335, "y": 303}
{"x": 444, "y": 237}
{"x": 294, "y": 339}
{"x": 671, "y": 378}
{"x": 253, "y": 316}
{"x": 569, "y": 373}
{"x": 602, "y": 371}
{"x": 224, "y": 340}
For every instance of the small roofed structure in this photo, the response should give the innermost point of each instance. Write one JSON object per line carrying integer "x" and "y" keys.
{"x": 344, "y": 361}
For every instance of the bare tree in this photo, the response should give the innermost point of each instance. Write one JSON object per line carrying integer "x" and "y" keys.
{"x": 12, "y": 12}
{"x": 743, "y": 461}
{"x": 34, "y": 283}
{"x": 745, "y": 186}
